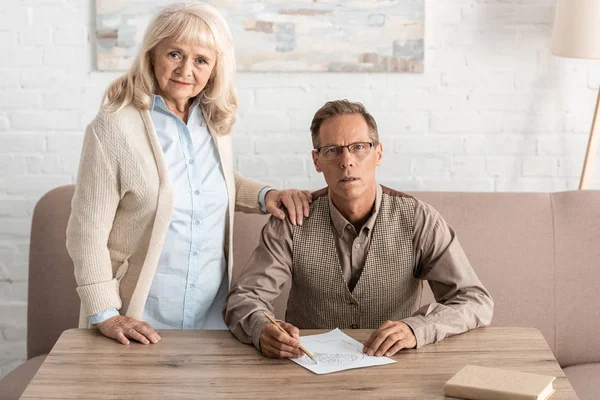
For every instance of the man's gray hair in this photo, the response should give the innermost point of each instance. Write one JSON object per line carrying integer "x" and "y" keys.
{"x": 341, "y": 107}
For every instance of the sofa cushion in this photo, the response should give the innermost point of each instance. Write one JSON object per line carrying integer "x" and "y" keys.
{"x": 15, "y": 383}
{"x": 585, "y": 379}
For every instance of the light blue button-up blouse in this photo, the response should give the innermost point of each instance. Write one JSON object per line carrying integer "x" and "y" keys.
{"x": 190, "y": 284}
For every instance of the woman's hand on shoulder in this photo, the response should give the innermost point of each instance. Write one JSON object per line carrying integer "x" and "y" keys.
{"x": 296, "y": 202}
{"x": 122, "y": 328}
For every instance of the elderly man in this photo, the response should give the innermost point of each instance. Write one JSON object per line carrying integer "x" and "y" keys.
{"x": 360, "y": 258}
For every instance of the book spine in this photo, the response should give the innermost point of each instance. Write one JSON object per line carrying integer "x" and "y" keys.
{"x": 469, "y": 392}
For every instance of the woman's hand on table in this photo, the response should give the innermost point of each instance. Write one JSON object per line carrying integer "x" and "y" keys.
{"x": 122, "y": 328}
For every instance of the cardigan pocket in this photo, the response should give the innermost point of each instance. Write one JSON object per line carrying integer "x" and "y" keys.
{"x": 122, "y": 270}
{"x": 120, "y": 264}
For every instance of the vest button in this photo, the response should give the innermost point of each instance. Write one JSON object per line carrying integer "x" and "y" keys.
{"x": 353, "y": 303}
{"x": 354, "y": 326}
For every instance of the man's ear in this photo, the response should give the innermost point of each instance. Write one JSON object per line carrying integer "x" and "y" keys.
{"x": 379, "y": 153}
{"x": 315, "y": 158}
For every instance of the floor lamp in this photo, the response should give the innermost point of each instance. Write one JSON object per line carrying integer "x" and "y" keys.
{"x": 577, "y": 34}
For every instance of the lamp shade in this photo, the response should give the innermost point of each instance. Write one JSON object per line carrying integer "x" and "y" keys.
{"x": 577, "y": 29}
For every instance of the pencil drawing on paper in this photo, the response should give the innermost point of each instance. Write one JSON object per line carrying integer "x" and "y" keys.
{"x": 337, "y": 358}
{"x": 335, "y": 351}
{"x": 346, "y": 353}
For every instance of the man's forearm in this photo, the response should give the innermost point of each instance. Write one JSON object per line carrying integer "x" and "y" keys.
{"x": 243, "y": 314}
{"x": 471, "y": 308}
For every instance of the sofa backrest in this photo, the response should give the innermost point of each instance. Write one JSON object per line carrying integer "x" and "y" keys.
{"x": 53, "y": 303}
{"x": 537, "y": 253}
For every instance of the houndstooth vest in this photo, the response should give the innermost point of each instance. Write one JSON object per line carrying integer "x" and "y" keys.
{"x": 386, "y": 290}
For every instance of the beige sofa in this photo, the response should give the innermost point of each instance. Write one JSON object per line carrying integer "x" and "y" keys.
{"x": 537, "y": 253}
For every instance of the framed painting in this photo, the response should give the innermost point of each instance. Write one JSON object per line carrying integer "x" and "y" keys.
{"x": 286, "y": 35}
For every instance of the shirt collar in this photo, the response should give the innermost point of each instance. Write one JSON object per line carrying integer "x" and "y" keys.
{"x": 159, "y": 103}
{"x": 341, "y": 223}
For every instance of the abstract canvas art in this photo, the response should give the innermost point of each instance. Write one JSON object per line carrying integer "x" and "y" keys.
{"x": 286, "y": 35}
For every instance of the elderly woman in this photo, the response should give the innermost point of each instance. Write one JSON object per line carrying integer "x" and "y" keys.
{"x": 151, "y": 227}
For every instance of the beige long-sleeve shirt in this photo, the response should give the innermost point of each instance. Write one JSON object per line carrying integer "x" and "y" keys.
{"x": 462, "y": 302}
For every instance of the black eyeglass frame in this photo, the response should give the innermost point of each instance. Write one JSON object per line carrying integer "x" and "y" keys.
{"x": 371, "y": 145}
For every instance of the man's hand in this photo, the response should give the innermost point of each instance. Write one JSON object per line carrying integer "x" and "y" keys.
{"x": 296, "y": 202}
{"x": 121, "y": 328}
{"x": 276, "y": 344}
{"x": 390, "y": 338}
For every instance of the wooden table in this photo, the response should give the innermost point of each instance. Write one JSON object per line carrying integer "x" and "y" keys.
{"x": 213, "y": 364}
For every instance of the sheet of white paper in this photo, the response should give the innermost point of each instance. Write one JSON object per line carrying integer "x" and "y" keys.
{"x": 335, "y": 351}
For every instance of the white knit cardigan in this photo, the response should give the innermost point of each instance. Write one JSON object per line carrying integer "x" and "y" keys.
{"x": 122, "y": 208}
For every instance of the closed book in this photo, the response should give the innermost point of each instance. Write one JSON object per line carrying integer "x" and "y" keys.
{"x": 483, "y": 383}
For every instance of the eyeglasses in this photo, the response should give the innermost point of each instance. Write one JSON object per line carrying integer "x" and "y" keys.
{"x": 358, "y": 149}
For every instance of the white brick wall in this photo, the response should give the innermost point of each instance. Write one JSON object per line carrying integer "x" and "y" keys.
{"x": 494, "y": 110}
